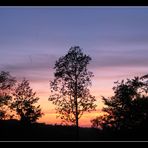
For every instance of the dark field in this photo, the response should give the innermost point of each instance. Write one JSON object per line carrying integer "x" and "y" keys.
{"x": 12, "y": 130}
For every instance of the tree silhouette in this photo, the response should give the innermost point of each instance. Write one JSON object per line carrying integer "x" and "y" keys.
{"x": 69, "y": 90}
{"x": 24, "y": 100}
{"x": 7, "y": 83}
{"x": 128, "y": 108}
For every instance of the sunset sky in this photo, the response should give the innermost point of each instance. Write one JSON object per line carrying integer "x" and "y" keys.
{"x": 33, "y": 38}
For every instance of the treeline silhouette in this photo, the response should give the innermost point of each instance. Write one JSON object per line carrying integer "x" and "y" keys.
{"x": 125, "y": 114}
{"x": 17, "y": 100}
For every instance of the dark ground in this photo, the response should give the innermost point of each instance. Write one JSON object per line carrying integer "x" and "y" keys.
{"x": 12, "y": 130}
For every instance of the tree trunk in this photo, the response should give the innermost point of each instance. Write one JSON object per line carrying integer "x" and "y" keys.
{"x": 77, "y": 121}
{"x": 76, "y": 104}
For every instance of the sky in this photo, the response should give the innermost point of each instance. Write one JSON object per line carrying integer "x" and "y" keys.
{"x": 33, "y": 38}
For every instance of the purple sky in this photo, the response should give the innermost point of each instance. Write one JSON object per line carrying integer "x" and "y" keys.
{"x": 32, "y": 38}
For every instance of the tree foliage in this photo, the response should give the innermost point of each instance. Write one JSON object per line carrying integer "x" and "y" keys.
{"x": 128, "y": 108}
{"x": 69, "y": 89}
{"x": 7, "y": 83}
{"x": 24, "y": 103}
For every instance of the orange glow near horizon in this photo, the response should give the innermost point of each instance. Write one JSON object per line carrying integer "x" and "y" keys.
{"x": 84, "y": 121}
{"x": 49, "y": 117}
